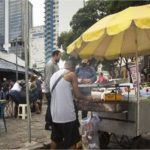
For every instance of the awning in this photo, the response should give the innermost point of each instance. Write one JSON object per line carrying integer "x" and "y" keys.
{"x": 8, "y": 66}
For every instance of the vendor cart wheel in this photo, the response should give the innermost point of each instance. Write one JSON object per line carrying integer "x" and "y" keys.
{"x": 104, "y": 138}
{"x": 136, "y": 142}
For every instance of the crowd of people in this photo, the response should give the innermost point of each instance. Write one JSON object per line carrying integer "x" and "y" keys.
{"x": 5, "y": 87}
{"x": 16, "y": 91}
{"x": 61, "y": 89}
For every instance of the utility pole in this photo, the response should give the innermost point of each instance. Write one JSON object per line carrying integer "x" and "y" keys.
{"x": 26, "y": 23}
{"x": 6, "y": 42}
{"x": 16, "y": 59}
{"x": 84, "y": 3}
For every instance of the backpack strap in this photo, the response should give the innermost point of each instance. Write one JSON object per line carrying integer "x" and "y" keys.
{"x": 56, "y": 82}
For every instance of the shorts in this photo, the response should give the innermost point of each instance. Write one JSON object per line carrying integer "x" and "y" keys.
{"x": 65, "y": 134}
{"x": 15, "y": 96}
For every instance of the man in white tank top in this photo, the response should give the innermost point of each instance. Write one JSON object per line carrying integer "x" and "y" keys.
{"x": 65, "y": 132}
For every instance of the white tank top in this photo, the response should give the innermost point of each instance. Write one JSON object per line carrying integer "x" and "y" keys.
{"x": 62, "y": 106}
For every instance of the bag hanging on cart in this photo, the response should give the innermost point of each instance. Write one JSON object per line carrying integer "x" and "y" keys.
{"x": 89, "y": 129}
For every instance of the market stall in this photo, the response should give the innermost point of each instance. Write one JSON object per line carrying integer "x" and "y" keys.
{"x": 122, "y": 34}
{"x": 118, "y": 114}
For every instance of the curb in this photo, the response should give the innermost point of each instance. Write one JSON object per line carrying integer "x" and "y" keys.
{"x": 32, "y": 146}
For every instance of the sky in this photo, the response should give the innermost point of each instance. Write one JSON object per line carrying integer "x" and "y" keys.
{"x": 67, "y": 8}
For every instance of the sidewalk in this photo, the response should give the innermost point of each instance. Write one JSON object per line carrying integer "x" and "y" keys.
{"x": 16, "y": 136}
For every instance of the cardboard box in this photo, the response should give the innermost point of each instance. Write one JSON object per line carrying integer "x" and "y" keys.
{"x": 113, "y": 97}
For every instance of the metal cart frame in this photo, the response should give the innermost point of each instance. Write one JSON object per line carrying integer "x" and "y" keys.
{"x": 124, "y": 123}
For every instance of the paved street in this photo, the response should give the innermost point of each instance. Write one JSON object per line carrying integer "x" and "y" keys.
{"x": 17, "y": 134}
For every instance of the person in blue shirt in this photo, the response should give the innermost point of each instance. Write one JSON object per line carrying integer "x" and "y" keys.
{"x": 86, "y": 75}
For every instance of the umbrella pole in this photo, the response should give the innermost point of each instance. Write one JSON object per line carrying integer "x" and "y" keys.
{"x": 137, "y": 94}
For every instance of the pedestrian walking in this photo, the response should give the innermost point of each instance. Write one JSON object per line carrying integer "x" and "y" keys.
{"x": 39, "y": 89}
{"x": 50, "y": 68}
{"x": 33, "y": 88}
{"x": 4, "y": 89}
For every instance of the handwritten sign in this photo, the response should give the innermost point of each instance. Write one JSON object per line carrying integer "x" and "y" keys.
{"x": 134, "y": 74}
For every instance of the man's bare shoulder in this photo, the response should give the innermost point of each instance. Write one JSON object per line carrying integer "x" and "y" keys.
{"x": 70, "y": 75}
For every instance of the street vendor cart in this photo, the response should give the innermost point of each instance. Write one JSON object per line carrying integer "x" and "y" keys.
{"x": 118, "y": 117}
{"x": 113, "y": 122}
{"x": 123, "y": 34}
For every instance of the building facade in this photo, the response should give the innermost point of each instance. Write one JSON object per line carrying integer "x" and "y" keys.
{"x": 36, "y": 49}
{"x": 17, "y": 17}
{"x": 2, "y": 23}
{"x": 51, "y": 27}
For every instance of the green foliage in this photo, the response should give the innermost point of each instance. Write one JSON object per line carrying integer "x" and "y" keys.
{"x": 82, "y": 20}
{"x": 65, "y": 39}
{"x": 87, "y": 16}
{"x": 64, "y": 56}
{"x": 91, "y": 13}
{"x": 115, "y": 6}
{"x": 109, "y": 64}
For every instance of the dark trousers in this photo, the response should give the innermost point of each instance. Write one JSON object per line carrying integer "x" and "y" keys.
{"x": 16, "y": 97}
{"x": 48, "y": 117}
{"x": 84, "y": 114}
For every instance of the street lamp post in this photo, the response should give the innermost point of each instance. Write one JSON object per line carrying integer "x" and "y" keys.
{"x": 26, "y": 72}
{"x": 84, "y": 3}
{"x": 16, "y": 60}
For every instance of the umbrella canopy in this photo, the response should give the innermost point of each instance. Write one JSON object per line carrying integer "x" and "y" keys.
{"x": 120, "y": 34}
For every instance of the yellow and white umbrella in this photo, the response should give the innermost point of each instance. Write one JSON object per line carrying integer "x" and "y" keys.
{"x": 126, "y": 33}
{"x": 120, "y": 34}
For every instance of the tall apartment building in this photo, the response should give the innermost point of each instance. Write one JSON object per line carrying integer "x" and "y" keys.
{"x": 51, "y": 27}
{"x": 36, "y": 49}
{"x": 2, "y": 23}
{"x": 15, "y": 22}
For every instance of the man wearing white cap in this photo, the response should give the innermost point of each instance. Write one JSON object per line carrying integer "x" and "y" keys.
{"x": 86, "y": 75}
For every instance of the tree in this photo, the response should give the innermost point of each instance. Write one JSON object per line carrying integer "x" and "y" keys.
{"x": 82, "y": 20}
{"x": 115, "y": 6}
{"x": 91, "y": 13}
{"x": 65, "y": 39}
{"x": 109, "y": 65}
{"x": 87, "y": 16}
{"x": 94, "y": 10}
